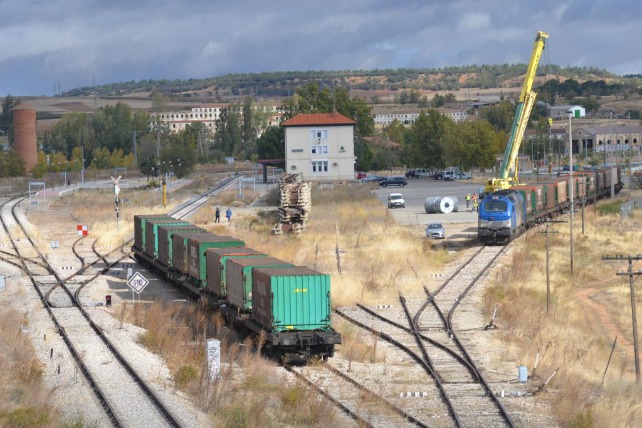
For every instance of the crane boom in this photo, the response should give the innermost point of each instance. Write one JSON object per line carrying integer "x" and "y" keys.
{"x": 522, "y": 115}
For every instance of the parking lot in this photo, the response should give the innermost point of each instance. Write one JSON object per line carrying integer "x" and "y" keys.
{"x": 460, "y": 225}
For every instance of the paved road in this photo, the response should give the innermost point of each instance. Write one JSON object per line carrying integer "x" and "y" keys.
{"x": 460, "y": 225}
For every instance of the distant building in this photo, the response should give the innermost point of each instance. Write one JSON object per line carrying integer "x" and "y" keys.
{"x": 610, "y": 138}
{"x": 208, "y": 114}
{"x": 561, "y": 112}
{"x": 320, "y": 146}
{"x": 408, "y": 116}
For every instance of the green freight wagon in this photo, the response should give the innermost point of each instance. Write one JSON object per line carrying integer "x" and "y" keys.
{"x": 151, "y": 234}
{"x": 193, "y": 263}
{"x": 165, "y": 234}
{"x": 291, "y": 298}
{"x": 216, "y": 260}
{"x": 239, "y": 278}
{"x": 140, "y": 221}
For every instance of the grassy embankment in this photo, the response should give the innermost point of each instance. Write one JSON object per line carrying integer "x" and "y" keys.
{"x": 26, "y": 401}
{"x": 588, "y": 309}
{"x": 378, "y": 259}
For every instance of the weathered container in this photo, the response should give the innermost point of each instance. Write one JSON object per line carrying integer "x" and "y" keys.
{"x": 151, "y": 234}
{"x": 165, "y": 234}
{"x": 611, "y": 176}
{"x": 216, "y": 261}
{"x": 601, "y": 180}
{"x": 535, "y": 198}
{"x": 239, "y": 278}
{"x": 549, "y": 194}
{"x": 196, "y": 248}
{"x": 561, "y": 192}
{"x": 140, "y": 221}
{"x": 291, "y": 298}
{"x": 179, "y": 249}
{"x": 526, "y": 192}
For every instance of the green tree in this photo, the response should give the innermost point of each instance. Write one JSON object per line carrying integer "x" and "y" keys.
{"x": 311, "y": 99}
{"x": 271, "y": 144}
{"x": 228, "y": 131}
{"x": 11, "y": 164}
{"x": 6, "y": 116}
{"x": 428, "y": 139}
{"x": 500, "y": 115}
{"x": 148, "y": 166}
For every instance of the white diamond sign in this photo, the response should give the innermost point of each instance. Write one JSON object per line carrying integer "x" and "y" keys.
{"x": 137, "y": 282}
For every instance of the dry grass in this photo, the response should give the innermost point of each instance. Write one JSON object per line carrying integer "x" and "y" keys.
{"x": 26, "y": 402}
{"x": 587, "y": 311}
{"x": 249, "y": 391}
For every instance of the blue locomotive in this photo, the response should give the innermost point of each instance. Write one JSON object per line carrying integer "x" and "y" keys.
{"x": 505, "y": 214}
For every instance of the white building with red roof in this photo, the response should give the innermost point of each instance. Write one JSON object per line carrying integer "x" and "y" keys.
{"x": 320, "y": 146}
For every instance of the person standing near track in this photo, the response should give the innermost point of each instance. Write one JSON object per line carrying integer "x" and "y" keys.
{"x": 217, "y": 216}
{"x": 467, "y": 200}
{"x": 228, "y": 214}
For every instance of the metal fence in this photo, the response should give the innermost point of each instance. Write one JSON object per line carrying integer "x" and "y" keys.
{"x": 627, "y": 208}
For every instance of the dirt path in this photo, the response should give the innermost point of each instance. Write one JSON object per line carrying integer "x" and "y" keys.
{"x": 586, "y": 296}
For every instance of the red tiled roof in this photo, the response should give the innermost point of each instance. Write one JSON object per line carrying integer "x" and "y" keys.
{"x": 319, "y": 119}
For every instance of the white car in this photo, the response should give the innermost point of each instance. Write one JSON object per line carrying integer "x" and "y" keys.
{"x": 451, "y": 175}
{"x": 396, "y": 200}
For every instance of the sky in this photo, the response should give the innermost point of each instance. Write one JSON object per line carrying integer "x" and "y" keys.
{"x": 46, "y": 44}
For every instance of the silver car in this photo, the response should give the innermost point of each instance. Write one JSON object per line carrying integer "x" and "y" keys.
{"x": 435, "y": 231}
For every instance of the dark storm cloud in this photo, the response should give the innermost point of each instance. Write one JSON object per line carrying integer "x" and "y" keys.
{"x": 77, "y": 42}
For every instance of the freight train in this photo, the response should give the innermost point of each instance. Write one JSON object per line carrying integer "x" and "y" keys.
{"x": 255, "y": 293}
{"x": 505, "y": 214}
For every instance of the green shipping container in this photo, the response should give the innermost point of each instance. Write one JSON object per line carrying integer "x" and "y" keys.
{"x": 239, "y": 278}
{"x": 151, "y": 234}
{"x": 216, "y": 259}
{"x": 140, "y": 221}
{"x": 165, "y": 234}
{"x": 196, "y": 248}
{"x": 291, "y": 298}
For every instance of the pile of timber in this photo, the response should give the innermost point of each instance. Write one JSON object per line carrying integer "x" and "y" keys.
{"x": 295, "y": 203}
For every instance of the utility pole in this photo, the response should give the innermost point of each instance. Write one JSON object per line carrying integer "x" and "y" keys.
{"x": 631, "y": 274}
{"x": 571, "y": 179}
{"x": 547, "y": 233}
{"x": 611, "y": 162}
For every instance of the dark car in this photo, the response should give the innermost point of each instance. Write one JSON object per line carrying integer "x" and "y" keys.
{"x": 439, "y": 175}
{"x": 394, "y": 181}
{"x": 411, "y": 173}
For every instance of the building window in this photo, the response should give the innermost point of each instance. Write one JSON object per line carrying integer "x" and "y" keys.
{"x": 318, "y": 134}
{"x": 319, "y": 166}
{"x": 319, "y": 149}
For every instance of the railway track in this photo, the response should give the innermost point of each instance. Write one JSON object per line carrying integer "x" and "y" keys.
{"x": 62, "y": 300}
{"x": 124, "y": 396}
{"x": 425, "y": 331}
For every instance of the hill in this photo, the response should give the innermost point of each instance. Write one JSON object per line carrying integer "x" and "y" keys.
{"x": 283, "y": 84}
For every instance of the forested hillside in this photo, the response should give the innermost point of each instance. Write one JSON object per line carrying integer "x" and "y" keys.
{"x": 285, "y": 83}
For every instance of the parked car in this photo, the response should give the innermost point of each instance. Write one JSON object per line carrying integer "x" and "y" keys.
{"x": 394, "y": 181}
{"x": 371, "y": 178}
{"x": 396, "y": 200}
{"x": 435, "y": 231}
{"x": 439, "y": 175}
{"x": 418, "y": 173}
{"x": 452, "y": 175}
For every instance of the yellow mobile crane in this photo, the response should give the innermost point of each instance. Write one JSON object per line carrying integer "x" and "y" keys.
{"x": 522, "y": 114}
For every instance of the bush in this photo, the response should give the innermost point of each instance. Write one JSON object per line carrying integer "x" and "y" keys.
{"x": 610, "y": 208}
{"x": 184, "y": 376}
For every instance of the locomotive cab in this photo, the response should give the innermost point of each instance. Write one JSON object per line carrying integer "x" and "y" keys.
{"x": 501, "y": 217}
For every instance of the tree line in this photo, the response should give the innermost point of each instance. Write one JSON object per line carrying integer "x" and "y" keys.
{"x": 285, "y": 83}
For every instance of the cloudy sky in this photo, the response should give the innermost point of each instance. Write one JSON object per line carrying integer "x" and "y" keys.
{"x": 78, "y": 42}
